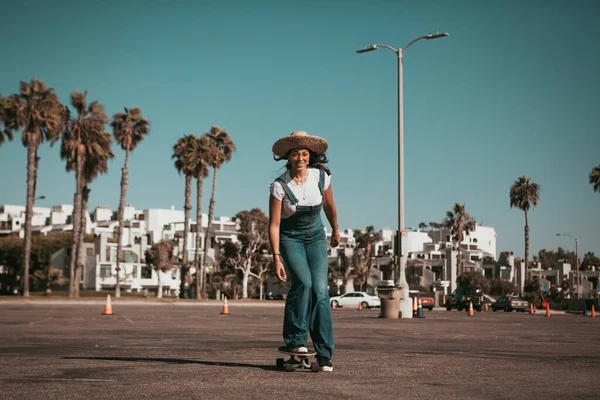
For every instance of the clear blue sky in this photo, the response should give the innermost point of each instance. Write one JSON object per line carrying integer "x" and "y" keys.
{"x": 512, "y": 91}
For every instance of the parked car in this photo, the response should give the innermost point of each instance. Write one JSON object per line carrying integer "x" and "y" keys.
{"x": 353, "y": 299}
{"x": 510, "y": 303}
{"x": 462, "y": 297}
{"x": 426, "y": 300}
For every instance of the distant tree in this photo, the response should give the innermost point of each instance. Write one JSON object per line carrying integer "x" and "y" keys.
{"x": 5, "y": 134}
{"x": 422, "y": 225}
{"x": 51, "y": 277}
{"x": 38, "y": 112}
{"x": 437, "y": 226}
{"x": 595, "y": 178}
{"x": 200, "y": 150}
{"x": 549, "y": 258}
{"x": 473, "y": 280}
{"x": 359, "y": 267}
{"x": 500, "y": 287}
{"x": 251, "y": 249}
{"x": 160, "y": 256}
{"x": 366, "y": 240}
{"x": 186, "y": 156}
{"x": 525, "y": 195}
{"x": 86, "y": 148}
{"x": 590, "y": 260}
{"x": 129, "y": 129}
{"x": 460, "y": 224}
{"x": 342, "y": 270}
{"x": 221, "y": 148}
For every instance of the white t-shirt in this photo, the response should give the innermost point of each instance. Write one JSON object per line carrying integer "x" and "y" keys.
{"x": 308, "y": 194}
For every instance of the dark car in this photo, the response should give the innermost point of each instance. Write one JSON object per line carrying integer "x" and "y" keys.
{"x": 462, "y": 297}
{"x": 510, "y": 303}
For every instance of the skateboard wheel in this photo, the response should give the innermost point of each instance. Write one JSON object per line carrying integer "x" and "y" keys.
{"x": 280, "y": 363}
{"x": 289, "y": 367}
{"x": 314, "y": 366}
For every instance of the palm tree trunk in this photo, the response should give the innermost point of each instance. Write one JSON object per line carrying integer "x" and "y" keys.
{"x": 31, "y": 178}
{"x": 81, "y": 255}
{"x": 159, "y": 294}
{"x": 186, "y": 232}
{"x": 197, "y": 261}
{"x": 124, "y": 181}
{"x": 526, "y": 239}
{"x": 76, "y": 221}
{"x": 211, "y": 211}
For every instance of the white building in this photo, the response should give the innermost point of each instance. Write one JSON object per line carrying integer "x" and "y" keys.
{"x": 141, "y": 230}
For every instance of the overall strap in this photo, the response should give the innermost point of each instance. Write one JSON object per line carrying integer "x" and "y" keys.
{"x": 322, "y": 182}
{"x": 287, "y": 191}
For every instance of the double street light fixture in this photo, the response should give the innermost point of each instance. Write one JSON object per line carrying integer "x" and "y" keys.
{"x": 576, "y": 262}
{"x": 406, "y": 307}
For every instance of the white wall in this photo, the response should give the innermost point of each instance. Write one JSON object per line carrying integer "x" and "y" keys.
{"x": 102, "y": 213}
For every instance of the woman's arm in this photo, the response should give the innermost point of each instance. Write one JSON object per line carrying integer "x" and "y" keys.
{"x": 331, "y": 214}
{"x": 274, "y": 222}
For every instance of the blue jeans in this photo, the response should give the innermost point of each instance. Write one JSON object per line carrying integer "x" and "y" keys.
{"x": 303, "y": 246}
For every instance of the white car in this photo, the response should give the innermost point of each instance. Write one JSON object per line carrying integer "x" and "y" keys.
{"x": 353, "y": 299}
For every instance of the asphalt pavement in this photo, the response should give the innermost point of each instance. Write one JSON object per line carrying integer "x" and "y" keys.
{"x": 69, "y": 350}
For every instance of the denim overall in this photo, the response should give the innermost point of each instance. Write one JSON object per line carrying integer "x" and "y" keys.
{"x": 303, "y": 246}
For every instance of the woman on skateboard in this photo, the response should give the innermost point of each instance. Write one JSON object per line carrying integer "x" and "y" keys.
{"x": 298, "y": 241}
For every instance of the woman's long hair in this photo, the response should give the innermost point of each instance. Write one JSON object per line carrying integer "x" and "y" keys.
{"x": 315, "y": 161}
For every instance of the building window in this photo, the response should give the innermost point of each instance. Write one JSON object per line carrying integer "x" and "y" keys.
{"x": 69, "y": 252}
{"x": 146, "y": 272}
{"x": 129, "y": 256}
{"x": 89, "y": 252}
{"x": 105, "y": 271}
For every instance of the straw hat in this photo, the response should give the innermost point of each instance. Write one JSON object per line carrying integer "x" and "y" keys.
{"x": 299, "y": 139}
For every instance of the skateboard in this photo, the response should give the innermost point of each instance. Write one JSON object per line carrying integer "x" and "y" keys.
{"x": 297, "y": 361}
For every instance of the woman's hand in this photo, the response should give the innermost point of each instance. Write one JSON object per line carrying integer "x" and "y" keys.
{"x": 280, "y": 270}
{"x": 335, "y": 239}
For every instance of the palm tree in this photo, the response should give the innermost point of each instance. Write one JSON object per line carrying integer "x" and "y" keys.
{"x": 160, "y": 255}
{"x": 36, "y": 110}
{"x": 80, "y": 141}
{"x": 94, "y": 166}
{"x": 594, "y": 178}
{"x": 186, "y": 162}
{"x": 524, "y": 195}
{"x": 129, "y": 129}
{"x": 221, "y": 149}
{"x": 3, "y": 132}
{"x": 201, "y": 150}
{"x": 460, "y": 224}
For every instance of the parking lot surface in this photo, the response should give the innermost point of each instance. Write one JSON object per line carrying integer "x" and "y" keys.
{"x": 70, "y": 351}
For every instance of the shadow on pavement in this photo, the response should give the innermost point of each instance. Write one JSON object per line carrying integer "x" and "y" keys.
{"x": 177, "y": 361}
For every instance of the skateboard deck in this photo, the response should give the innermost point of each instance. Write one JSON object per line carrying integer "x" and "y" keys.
{"x": 297, "y": 361}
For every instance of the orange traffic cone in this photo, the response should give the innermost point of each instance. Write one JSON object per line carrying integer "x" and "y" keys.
{"x": 485, "y": 307}
{"x": 471, "y": 314}
{"x": 108, "y": 306}
{"x": 360, "y": 306}
{"x": 333, "y": 305}
{"x": 225, "y": 310}
{"x": 593, "y": 313}
{"x": 531, "y": 309}
{"x": 547, "y": 309}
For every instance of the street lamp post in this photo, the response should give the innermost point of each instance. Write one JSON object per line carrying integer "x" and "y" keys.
{"x": 405, "y": 306}
{"x": 576, "y": 261}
